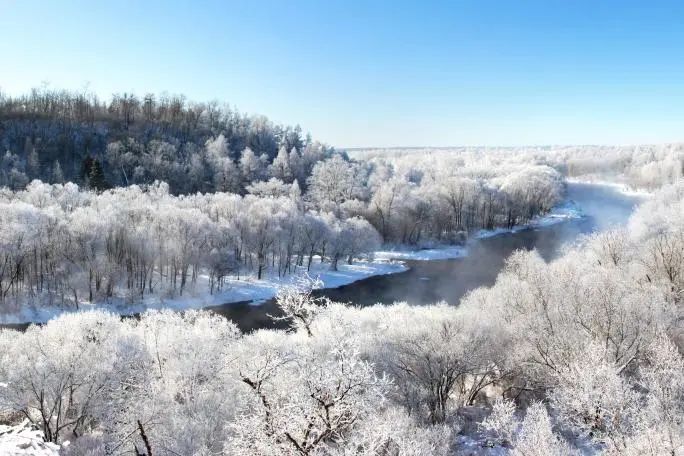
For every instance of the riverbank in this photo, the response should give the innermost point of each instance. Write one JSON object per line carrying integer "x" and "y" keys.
{"x": 621, "y": 187}
{"x": 446, "y": 252}
{"x": 567, "y": 210}
{"x": 247, "y": 288}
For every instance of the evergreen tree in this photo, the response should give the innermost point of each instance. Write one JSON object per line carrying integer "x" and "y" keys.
{"x": 96, "y": 177}
{"x": 86, "y": 166}
{"x": 280, "y": 168}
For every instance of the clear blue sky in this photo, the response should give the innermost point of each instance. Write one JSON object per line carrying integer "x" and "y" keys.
{"x": 372, "y": 73}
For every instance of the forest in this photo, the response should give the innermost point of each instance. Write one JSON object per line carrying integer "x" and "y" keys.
{"x": 645, "y": 166}
{"x": 62, "y": 245}
{"x": 579, "y": 355}
{"x": 104, "y": 204}
{"x": 117, "y": 235}
{"x": 59, "y": 136}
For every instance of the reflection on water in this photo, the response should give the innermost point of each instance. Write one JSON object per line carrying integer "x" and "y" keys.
{"x": 427, "y": 282}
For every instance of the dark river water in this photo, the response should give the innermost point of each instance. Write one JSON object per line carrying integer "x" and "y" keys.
{"x": 427, "y": 282}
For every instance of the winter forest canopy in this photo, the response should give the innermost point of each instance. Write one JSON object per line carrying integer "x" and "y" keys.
{"x": 111, "y": 203}
{"x": 641, "y": 166}
{"x": 239, "y": 197}
{"x": 578, "y": 355}
{"x": 60, "y": 136}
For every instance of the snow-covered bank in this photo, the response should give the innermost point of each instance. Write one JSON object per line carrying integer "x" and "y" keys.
{"x": 257, "y": 291}
{"x": 567, "y": 210}
{"x": 24, "y": 440}
{"x": 437, "y": 253}
{"x": 247, "y": 288}
{"x": 621, "y": 187}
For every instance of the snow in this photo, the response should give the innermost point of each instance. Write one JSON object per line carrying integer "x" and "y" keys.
{"x": 623, "y": 188}
{"x": 247, "y": 288}
{"x": 438, "y": 253}
{"x": 471, "y": 446}
{"x": 567, "y": 210}
{"x": 23, "y": 440}
{"x": 563, "y": 212}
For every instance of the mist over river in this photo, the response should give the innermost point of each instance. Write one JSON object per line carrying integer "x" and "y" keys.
{"x": 427, "y": 282}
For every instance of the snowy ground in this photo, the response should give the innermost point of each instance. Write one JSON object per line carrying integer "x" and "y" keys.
{"x": 620, "y": 187}
{"x": 248, "y": 288}
{"x": 25, "y": 441}
{"x": 567, "y": 210}
{"x": 437, "y": 253}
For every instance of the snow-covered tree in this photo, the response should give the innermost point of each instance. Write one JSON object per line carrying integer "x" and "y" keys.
{"x": 280, "y": 167}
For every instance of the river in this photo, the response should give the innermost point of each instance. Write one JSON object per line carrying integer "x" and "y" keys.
{"x": 427, "y": 282}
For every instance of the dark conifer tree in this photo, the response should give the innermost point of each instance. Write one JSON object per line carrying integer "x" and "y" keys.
{"x": 96, "y": 177}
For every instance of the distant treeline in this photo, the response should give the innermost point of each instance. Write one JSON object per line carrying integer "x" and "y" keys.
{"x": 59, "y": 136}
